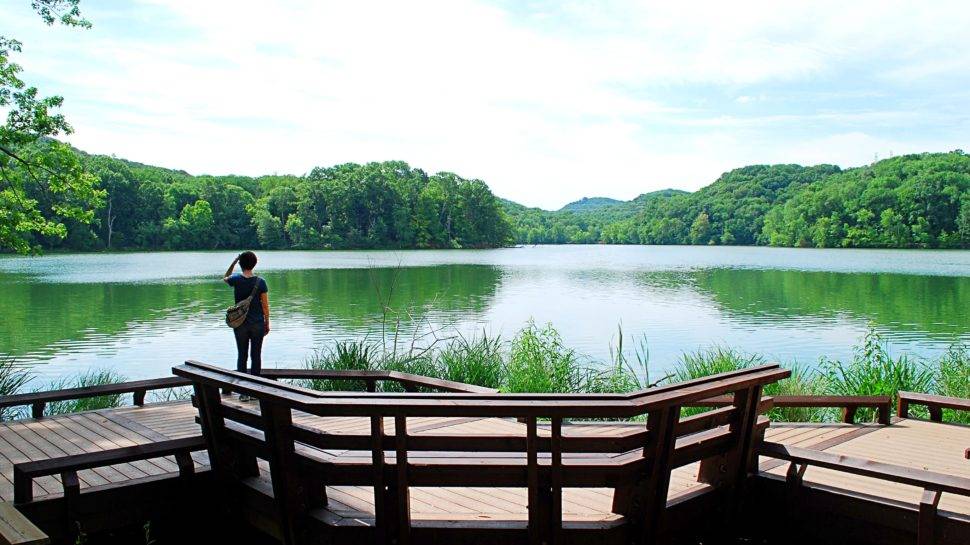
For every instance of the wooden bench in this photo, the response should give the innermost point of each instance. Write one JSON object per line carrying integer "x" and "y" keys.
{"x": 304, "y": 460}
{"x": 67, "y": 468}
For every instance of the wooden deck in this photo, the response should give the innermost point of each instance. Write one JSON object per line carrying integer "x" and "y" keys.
{"x": 912, "y": 443}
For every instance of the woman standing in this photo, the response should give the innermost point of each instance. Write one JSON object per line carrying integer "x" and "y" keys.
{"x": 249, "y": 335}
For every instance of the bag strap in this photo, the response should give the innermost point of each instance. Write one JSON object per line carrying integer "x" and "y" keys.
{"x": 255, "y": 287}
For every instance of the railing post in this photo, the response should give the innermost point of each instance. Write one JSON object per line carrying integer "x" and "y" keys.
{"x": 23, "y": 486}
{"x": 223, "y": 461}
{"x": 37, "y": 409}
{"x": 925, "y": 534}
{"x": 72, "y": 493}
{"x": 848, "y": 414}
{"x": 555, "y": 467}
{"x": 539, "y": 493}
{"x": 403, "y": 493}
{"x": 380, "y": 488}
{"x": 138, "y": 397}
{"x": 936, "y": 413}
{"x": 884, "y": 413}
{"x": 288, "y": 489}
{"x": 652, "y": 494}
{"x": 902, "y": 407}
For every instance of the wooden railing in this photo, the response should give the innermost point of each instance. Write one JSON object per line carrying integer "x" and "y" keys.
{"x": 933, "y": 484}
{"x": 934, "y": 403}
{"x": 38, "y": 400}
{"x": 637, "y": 465}
{"x": 850, "y": 405}
{"x": 408, "y": 381}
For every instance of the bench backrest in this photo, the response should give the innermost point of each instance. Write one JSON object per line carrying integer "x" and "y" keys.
{"x": 391, "y": 459}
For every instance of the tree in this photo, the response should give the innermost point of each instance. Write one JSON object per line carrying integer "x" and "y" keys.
{"x": 33, "y": 164}
{"x": 700, "y": 230}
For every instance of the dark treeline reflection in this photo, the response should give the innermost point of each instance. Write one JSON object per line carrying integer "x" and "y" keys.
{"x": 39, "y": 315}
{"x": 930, "y": 304}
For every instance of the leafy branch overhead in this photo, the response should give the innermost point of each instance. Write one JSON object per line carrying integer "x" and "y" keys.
{"x": 43, "y": 183}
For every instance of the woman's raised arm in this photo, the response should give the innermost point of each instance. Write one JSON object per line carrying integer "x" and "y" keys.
{"x": 225, "y": 277}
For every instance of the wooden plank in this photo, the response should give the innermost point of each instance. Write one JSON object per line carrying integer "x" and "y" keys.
{"x": 16, "y": 529}
{"x": 858, "y": 466}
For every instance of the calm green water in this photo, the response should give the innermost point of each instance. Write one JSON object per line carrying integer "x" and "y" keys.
{"x": 143, "y": 313}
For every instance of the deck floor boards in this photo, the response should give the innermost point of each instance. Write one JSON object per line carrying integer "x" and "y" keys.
{"x": 907, "y": 442}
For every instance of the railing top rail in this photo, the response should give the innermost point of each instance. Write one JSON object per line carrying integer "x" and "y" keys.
{"x": 395, "y": 376}
{"x": 945, "y": 402}
{"x": 489, "y": 394}
{"x": 93, "y": 391}
{"x": 455, "y": 404}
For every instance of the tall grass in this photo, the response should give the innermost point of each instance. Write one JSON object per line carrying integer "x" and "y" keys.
{"x": 476, "y": 360}
{"x": 535, "y": 360}
{"x": 95, "y": 377}
{"x": 12, "y": 380}
{"x": 953, "y": 379}
{"x": 873, "y": 370}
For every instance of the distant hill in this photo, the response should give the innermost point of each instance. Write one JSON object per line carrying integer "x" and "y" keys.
{"x": 589, "y": 203}
{"x": 911, "y": 201}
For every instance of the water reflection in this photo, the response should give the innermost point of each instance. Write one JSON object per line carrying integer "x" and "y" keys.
{"x": 59, "y": 319}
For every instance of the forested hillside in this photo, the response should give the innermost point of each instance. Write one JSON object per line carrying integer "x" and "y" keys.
{"x": 912, "y": 201}
{"x": 377, "y": 205}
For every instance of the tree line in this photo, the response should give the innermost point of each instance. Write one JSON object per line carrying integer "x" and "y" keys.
{"x": 911, "y": 201}
{"x": 375, "y": 205}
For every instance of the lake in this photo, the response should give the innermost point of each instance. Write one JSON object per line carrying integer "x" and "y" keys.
{"x": 142, "y": 313}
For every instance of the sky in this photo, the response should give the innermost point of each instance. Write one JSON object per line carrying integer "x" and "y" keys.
{"x": 547, "y": 102}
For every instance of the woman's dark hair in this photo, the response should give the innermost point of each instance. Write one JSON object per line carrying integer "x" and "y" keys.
{"x": 247, "y": 260}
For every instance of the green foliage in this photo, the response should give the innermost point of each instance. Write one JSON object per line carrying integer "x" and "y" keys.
{"x": 874, "y": 371}
{"x": 539, "y": 362}
{"x": 953, "y": 379}
{"x": 534, "y": 361}
{"x": 911, "y": 201}
{"x": 377, "y": 205}
{"x": 95, "y": 377}
{"x": 475, "y": 360}
{"x": 44, "y": 188}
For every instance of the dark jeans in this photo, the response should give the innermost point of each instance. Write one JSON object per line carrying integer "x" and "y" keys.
{"x": 249, "y": 337}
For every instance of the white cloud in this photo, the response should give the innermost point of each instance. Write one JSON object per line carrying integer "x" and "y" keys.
{"x": 546, "y": 105}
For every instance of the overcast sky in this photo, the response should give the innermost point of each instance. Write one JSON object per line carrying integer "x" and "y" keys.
{"x": 545, "y": 101}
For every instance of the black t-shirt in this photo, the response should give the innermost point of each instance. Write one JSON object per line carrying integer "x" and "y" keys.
{"x": 243, "y": 287}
